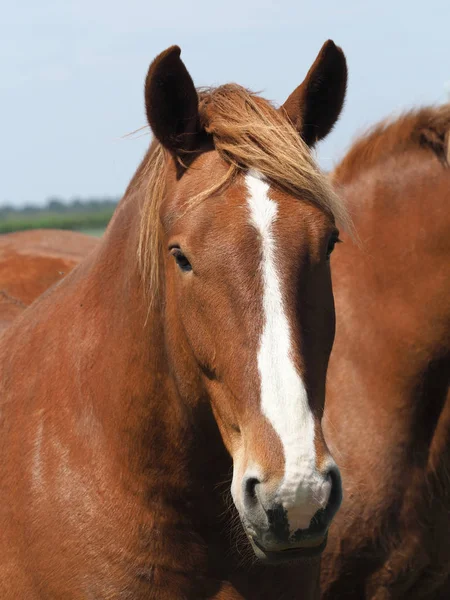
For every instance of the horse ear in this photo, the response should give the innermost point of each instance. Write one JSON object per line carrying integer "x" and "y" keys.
{"x": 171, "y": 102}
{"x": 315, "y": 106}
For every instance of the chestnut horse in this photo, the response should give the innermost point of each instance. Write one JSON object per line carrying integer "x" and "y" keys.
{"x": 32, "y": 261}
{"x": 192, "y": 342}
{"x": 387, "y": 413}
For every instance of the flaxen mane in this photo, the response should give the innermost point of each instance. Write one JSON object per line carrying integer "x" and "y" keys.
{"x": 427, "y": 128}
{"x": 248, "y": 133}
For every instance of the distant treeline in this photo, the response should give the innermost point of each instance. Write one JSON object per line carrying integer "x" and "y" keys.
{"x": 57, "y": 214}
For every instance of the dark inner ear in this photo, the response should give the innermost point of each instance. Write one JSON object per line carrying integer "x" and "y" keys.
{"x": 315, "y": 105}
{"x": 171, "y": 103}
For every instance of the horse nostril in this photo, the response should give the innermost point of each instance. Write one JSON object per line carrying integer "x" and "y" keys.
{"x": 335, "y": 499}
{"x": 323, "y": 517}
{"x": 250, "y": 484}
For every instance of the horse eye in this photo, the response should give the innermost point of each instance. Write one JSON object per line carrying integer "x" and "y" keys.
{"x": 334, "y": 239}
{"x": 180, "y": 259}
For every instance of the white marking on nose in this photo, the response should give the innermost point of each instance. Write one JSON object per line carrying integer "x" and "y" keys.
{"x": 284, "y": 400}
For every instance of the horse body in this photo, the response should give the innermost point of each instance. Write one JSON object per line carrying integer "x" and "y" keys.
{"x": 125, "y": 409}
{"x": 388, "y": 412}
{"x": 32, "y": 261}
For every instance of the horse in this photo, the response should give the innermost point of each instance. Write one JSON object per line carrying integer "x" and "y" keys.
{"x": 387, "y": 417}
{"x": 32, "y": 261}
{"x": 160, "y": 412}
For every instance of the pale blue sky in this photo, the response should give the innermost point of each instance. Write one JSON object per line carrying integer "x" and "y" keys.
{"x": 72, "y": 74}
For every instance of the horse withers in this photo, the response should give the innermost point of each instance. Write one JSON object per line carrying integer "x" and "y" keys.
{"x": 192, "y": 342}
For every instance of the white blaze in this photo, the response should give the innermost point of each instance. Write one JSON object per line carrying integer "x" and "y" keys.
{"x": 284, "y": 400}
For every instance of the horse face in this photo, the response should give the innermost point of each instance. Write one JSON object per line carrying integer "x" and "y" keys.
{"x": 248, "y": 301}
{"x": 248, "y": 291}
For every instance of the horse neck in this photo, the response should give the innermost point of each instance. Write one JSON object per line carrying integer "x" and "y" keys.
{"x": 401, "y": 306}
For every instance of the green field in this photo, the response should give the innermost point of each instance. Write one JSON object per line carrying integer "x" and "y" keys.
{"x": 80, "y": 221}
{"x": 90, "y": 216}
